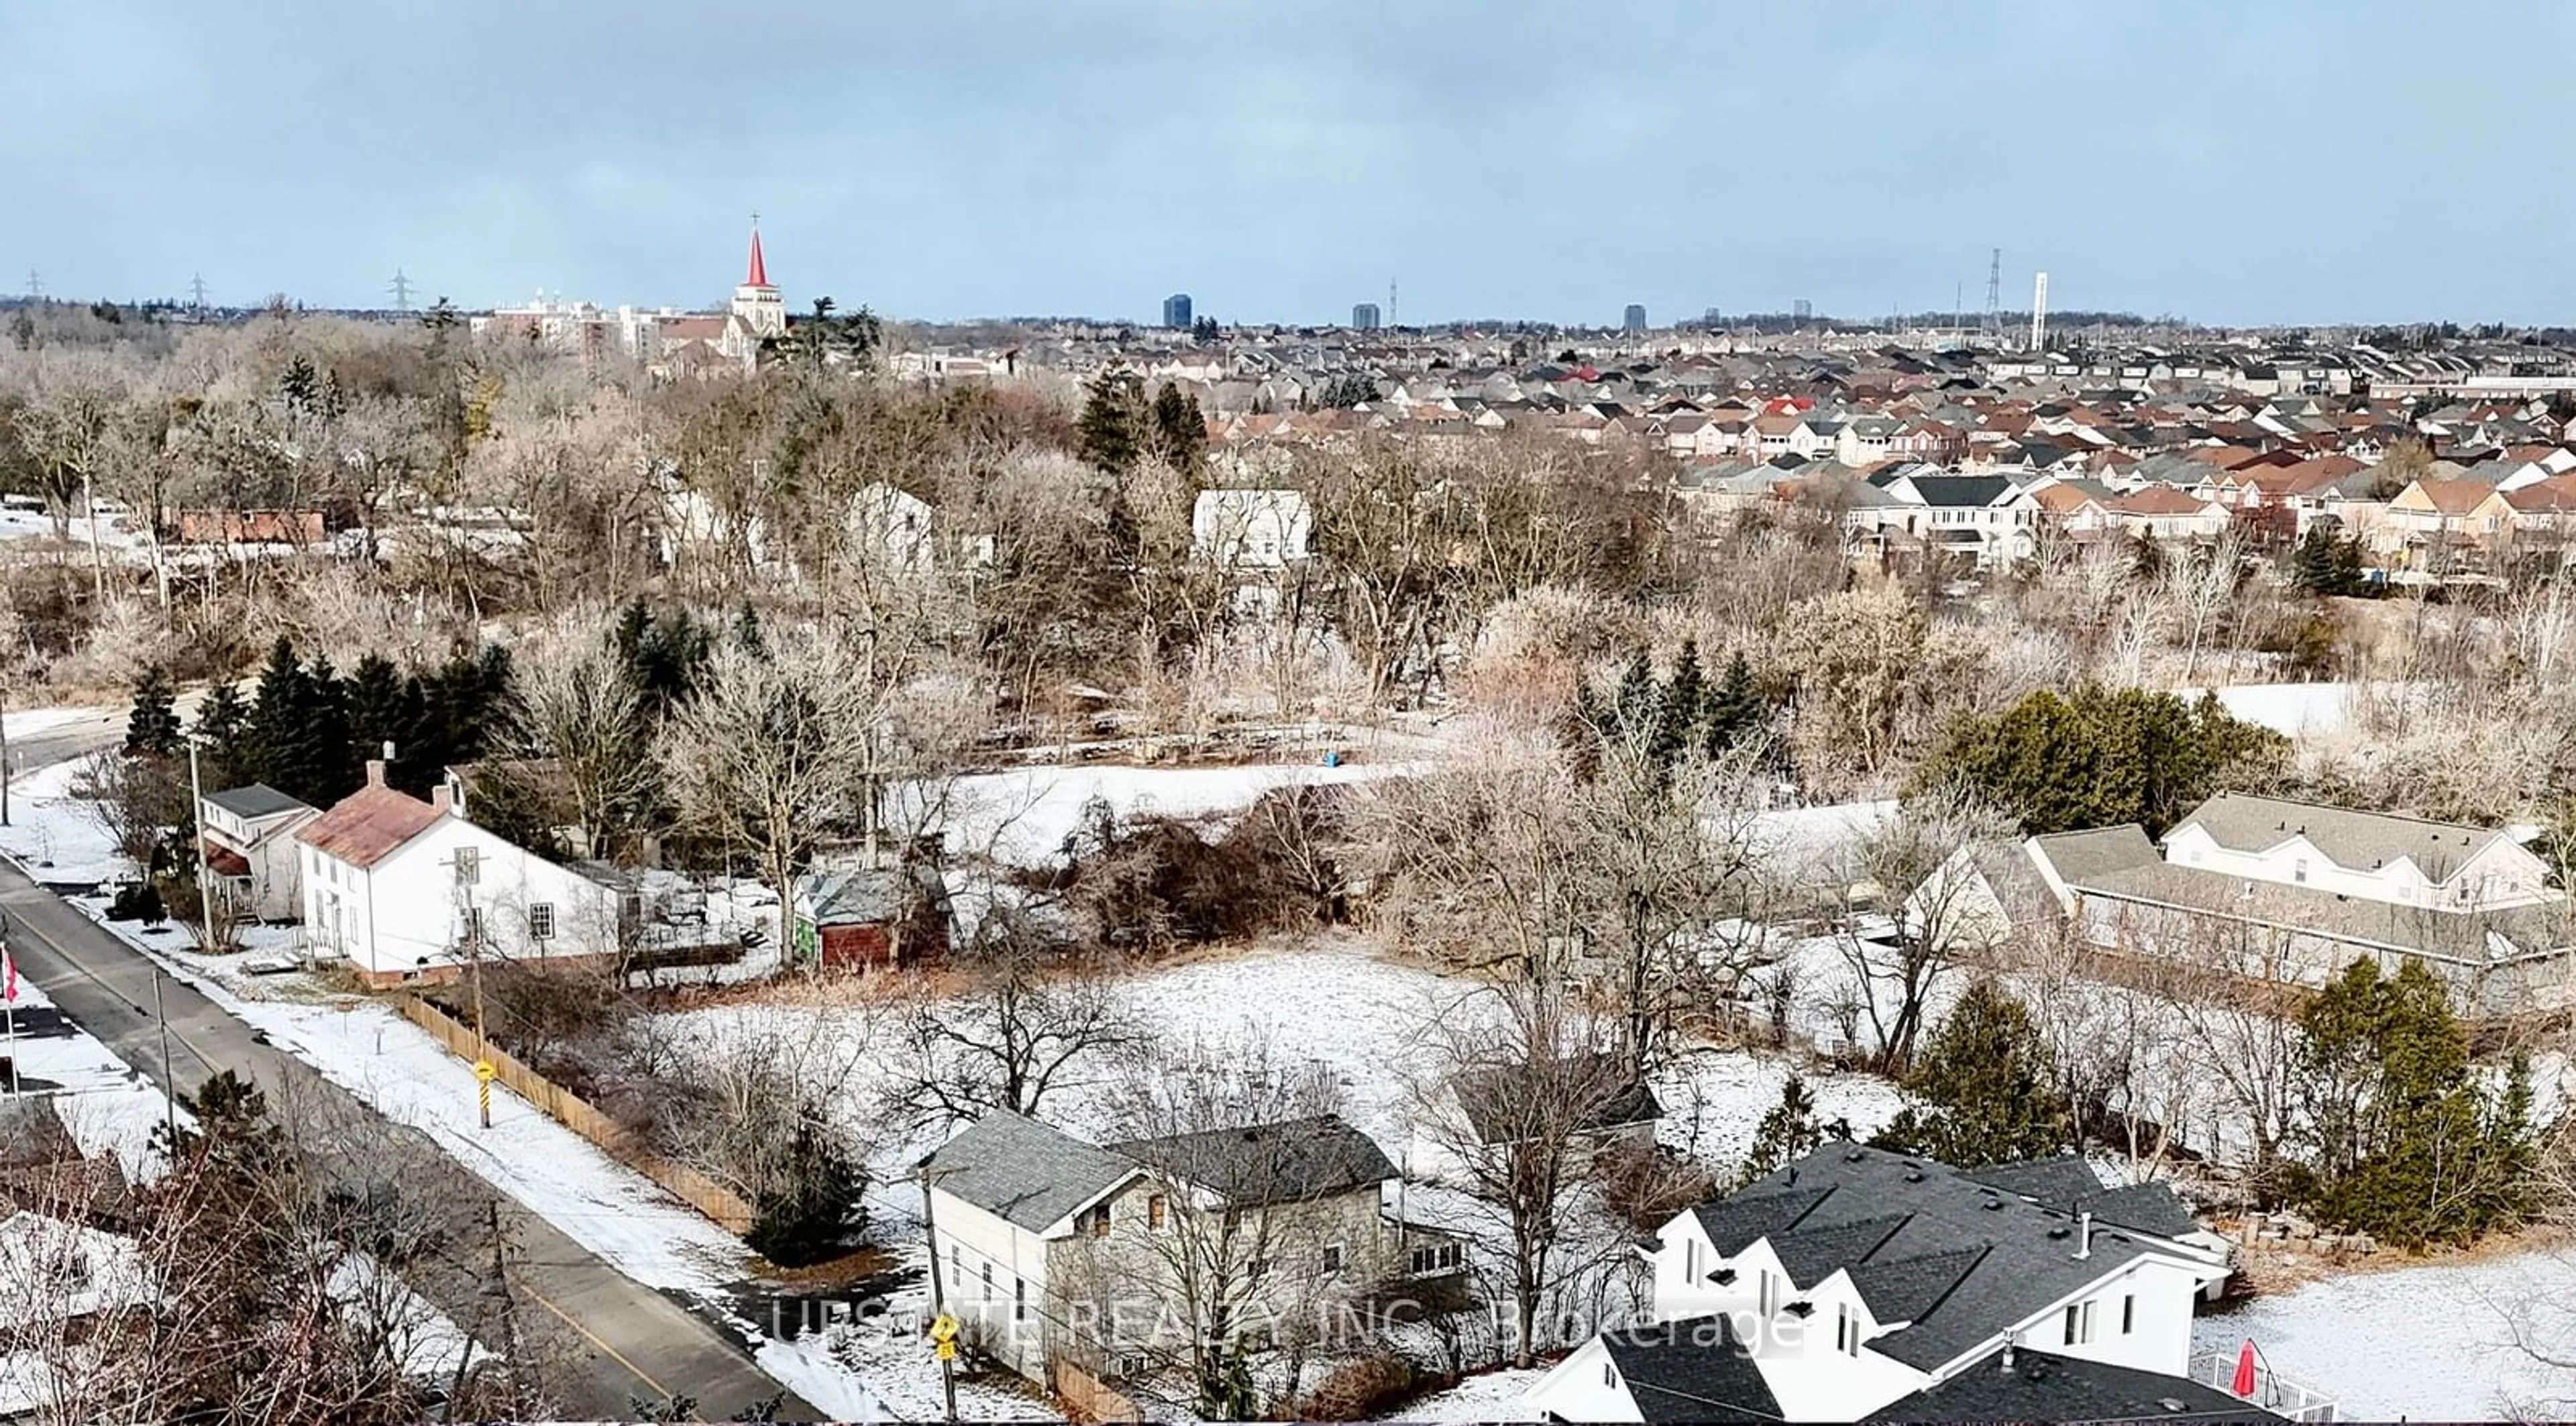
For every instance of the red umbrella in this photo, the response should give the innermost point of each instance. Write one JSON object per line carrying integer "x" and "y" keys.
{"x": 2244, "y": 1386}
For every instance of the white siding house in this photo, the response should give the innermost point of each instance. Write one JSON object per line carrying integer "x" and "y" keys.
{"x": 1252, "y": 529}
{"x": 252, "y": 852}
{"x": 404, "y": 889}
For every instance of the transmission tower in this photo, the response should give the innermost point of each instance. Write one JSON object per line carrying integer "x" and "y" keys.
{"x": 197, "y": 292}
{"x": 1390, "y": 303}
{"x": 35, "y": 286}
{"x": 400, "y": 287}
{"x": 1993, "y": 327}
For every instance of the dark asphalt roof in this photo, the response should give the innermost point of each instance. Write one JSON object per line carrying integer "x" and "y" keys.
{"x": 254, "y": 802}
{"x": 1955, "y": 1259}
{"x": 1484, "y": 1097}
{"x": 1691, "y": 1370}
{"x": 1286, "y": 1162}
{"x": 2042, "y": 1386}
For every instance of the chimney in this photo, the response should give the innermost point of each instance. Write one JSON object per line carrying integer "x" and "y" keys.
{"x": 375, "y": 772}
{"x": 2008, "y": 1350}
{"x": 388, "y": 753}
{"x": 2084, "y": 1234}
{"x": 440, "y": 798}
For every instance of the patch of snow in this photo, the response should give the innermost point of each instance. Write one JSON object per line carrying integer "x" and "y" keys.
{"x": 1023, "y": 816}
{"x": 2294, "y": 710}
{"x": 2430, "y": 1343}
{"x": 105, "y": 1104}
{"x": 56, "y": 837}
{"x": 1486, "y": 1396}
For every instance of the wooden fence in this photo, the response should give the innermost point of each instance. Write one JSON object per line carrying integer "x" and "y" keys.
{"x": 721, "y": 1204}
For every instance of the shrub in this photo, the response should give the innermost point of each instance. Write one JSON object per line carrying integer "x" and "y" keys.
{"x": 138, "y": 901}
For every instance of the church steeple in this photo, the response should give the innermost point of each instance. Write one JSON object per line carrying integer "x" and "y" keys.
{"x": 758, "y": 276}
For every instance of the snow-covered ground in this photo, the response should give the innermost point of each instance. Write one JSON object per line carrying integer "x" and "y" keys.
{"x": 2296, "y": 710}
{"x": 104, "y": 1104}
{"x": 1023, "y": 816}
{"x": 2431, "y": 1343}
{"x": 1487, "y": 1396}
{"x": 55, "y": 837}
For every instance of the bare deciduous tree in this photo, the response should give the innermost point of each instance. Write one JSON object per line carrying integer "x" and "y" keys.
{"x": 1916, "y": 917}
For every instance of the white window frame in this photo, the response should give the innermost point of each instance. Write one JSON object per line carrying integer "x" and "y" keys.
{"x": 541, "y": 920}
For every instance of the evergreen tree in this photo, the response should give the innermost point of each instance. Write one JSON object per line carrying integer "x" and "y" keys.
{"x": 663, "y": 653}
{"x": 2099, "y": 757}
{"x": 1635, "y": 703}
{"x": 277, "y": 712}
{"x": 1115, "y": 427}
{"x": 1984, "y": 1087}
{"x": 746, "y": 631}
{"x": 221, "y": 723}
{"x": 325, "y": 756}
{"x": 1788, "y": 1131}
{"x": 1733, "y": 709}
{"x": 300, "y": 386}
{"x": 152, "y": 729}
{"x": 1180, "y": 432}
{"x": 808, "y": 1218}
{"x": 1681, "y": 707}
{"x": 2404, "y": 1141}
{"x": 2316, "y": 568}
{"x": 384, "y": 707}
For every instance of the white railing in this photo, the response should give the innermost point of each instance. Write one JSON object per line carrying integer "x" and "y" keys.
{"x": 2271, "y": 1392}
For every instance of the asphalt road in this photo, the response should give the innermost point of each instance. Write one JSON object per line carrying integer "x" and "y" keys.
{"x": 626, "y": 1340}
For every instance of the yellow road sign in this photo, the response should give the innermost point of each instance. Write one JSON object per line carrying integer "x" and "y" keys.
{"x": 948, "y": 1351}
{"x": 483, "y": 1071}
{"x": 943, "y": 1329}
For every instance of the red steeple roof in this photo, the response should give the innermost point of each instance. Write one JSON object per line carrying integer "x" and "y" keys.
{"x": 759, "y": 274}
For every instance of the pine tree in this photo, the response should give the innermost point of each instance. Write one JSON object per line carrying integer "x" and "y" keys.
{"x": 1984, "y": 1087}
{"x": 326, "y": 757}
{"x": 2404, "y": 1142}
{"x": 152, "y": 729}
{"x": 1681, "y": 707}
{"x": 746, "y": 631}
{"x": 1634, "y": 702}
{"x": 1115, "y": 425}
{"x": 1180, "y": 432}
{"x": 384, "y": 707}
{"x": 221, "y": 720}
{"x": 277, "y": 712}
{"x": 1733, "y": 709}
{"x": 1788, "y": 1131}
{"x": 2316, "y": 567}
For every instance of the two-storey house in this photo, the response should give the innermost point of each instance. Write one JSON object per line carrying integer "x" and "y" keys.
{"x": 251, "y": 853}
{"x": 1859, "y": 1284}
{"x": 404, "y": 890}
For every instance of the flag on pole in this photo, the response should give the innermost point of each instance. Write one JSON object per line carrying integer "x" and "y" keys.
{"x": 8, "y": 977}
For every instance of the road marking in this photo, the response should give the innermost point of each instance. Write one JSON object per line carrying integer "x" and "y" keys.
{"x": 28, "y": 925}
{"x": 593, "y": 1338}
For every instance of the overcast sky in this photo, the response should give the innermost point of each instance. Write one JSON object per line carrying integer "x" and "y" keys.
{"x": 2238, "y": 162}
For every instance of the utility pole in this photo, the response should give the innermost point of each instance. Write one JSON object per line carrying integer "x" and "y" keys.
{"x": 9, "y": 1001}
{"x": 4, "y": 757}
{"x": 169, "y": 1085}
{"x": 939, "y": 1300}
{"x": 205, "y": 883}
{"x": 482, "y": 1046}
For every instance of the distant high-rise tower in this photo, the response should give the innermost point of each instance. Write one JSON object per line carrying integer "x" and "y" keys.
{"x": 2039, "y": 314}
{"x": 1633, "y": 321}
{"x": 1366, "y": 317}
{"x": 1176, "y": 310}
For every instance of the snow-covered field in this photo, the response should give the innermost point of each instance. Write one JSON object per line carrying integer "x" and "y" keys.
{"x": 1023, "y": 816}
{"x": 105, "y": 1105}
{"x": 2295, "y": 710}
{"x": 54, "y": 837}
{"x": 2430, "y": 1343}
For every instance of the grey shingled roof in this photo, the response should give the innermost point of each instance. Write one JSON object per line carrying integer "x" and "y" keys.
{"x": 2360, "y": 840}
{"x": 2081, "y": 856}
{"x": 2069, "y": 1183}
{"x": 1022, "y": 1171}
{"x": 255, "y": 801}
{"x": 1961, "y": 1262}
{"x": 2043, "y": 1386}
{"x": 1483, "y": 1096}
{"x": 2053, "y": 1181}
{"x": 2441, "y": 932}
{"x": 1691, "y": 1370}
{"x": 1286, "y": 1162}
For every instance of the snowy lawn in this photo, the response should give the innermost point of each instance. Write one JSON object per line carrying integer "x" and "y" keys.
{"x": 57, "y": 839}
{"x": 1487, "y": 1396}
{"x": 2431, "y": 1343}
{"x": 104, "y": 1103}
{"x": 1023, "y": 817}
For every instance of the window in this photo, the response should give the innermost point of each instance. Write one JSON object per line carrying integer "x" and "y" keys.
{"x": 1332, "y": 1259}
{"x": 541, "y": 920}
{"x": 2128, "y": 1314}
{"x": 1097, "y": 1220}
{"x": 1437, "y": 1258}
{"x": 1609, "y": 1374}
{"x": 1690, "y": 1262}
{"x": 1154, "y": 1209}
{"x": 1846, "y": 1338}
{"x": 1019, "y": 1299}
{"x": 2299, "y": 869}
{"x": 469, "y": 865}
{"x": 1769, "y": 1298}
{"x": 2079, "y": 1323}
{"x": 988, "y": 1282}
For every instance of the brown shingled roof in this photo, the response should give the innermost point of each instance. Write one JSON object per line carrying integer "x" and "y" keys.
{"x": 366, "y": 826}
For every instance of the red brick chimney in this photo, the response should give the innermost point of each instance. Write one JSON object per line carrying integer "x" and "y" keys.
{"x": 375, "y": 772}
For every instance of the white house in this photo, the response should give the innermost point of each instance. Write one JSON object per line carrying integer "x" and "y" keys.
{"x": 1237, "y": 528}
{"x": 251, "y": 850}
{"x": 404, "y": 889}
{"x": 1859, "y": 1284}
{"x": 2404, "y": 861}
